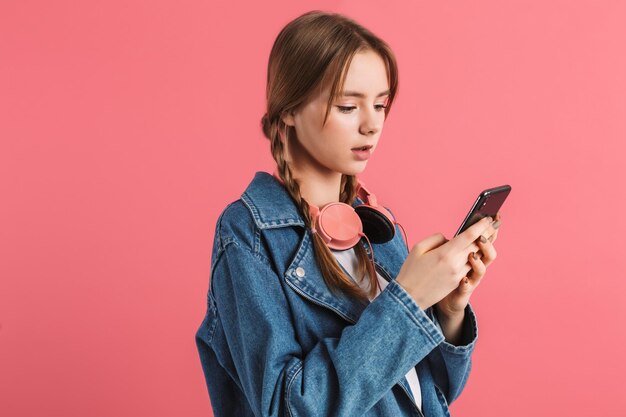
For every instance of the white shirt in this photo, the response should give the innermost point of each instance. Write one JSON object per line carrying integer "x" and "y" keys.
{"x": 347, "y": 259}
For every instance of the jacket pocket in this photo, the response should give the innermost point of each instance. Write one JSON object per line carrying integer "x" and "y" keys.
{"x": 442, "y": 400}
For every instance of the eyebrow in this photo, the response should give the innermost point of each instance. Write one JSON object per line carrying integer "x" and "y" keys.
{"x": 361, "y": 95}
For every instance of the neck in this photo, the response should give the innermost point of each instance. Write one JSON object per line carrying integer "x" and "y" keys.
{"x": 319, "y": 188}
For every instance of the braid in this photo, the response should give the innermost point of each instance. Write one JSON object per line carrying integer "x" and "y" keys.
{"x": 333, "y": 274}
{"x": 348, "y": 194}
{"x": 348, "y": 189}
{"x": 292, "y": 185}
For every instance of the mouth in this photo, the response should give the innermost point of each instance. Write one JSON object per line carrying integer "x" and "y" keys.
{"x": 363, "y": 148}
{"x": 362, "y": 153}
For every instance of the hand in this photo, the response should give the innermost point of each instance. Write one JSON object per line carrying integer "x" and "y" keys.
{"x": 455, "y": 302}
{"x": 435, "y": 266}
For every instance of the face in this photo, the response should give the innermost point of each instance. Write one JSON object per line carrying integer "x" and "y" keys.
{"x": 354, "y": 121}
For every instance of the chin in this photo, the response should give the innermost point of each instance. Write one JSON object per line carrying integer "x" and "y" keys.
{"x": 355, "y": 170}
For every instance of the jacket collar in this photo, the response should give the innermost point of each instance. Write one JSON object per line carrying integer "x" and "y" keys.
{"x": 270, "y": 203}
{"x": 271, "y": 207}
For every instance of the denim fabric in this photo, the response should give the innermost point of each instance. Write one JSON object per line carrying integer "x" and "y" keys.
{"x": 276, "y": 341}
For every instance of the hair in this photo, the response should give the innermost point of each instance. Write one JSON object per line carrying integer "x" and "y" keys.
{"x": 311, "y": 51}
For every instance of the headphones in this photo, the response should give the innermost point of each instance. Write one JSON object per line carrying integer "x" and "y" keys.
{"x": 341, "y": 226}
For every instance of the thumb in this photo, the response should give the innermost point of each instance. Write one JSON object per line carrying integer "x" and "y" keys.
{"x": 465, "y": 286}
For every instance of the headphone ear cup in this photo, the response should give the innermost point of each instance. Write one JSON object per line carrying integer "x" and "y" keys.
{"x": 339, "y": 225}
{"x": 376, "y": 225}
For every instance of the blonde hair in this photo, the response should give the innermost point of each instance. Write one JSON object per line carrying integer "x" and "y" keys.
{"x": 310, "y": 51}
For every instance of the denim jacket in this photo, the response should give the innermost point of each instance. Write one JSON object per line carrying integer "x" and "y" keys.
{"x": 275, "y": 341}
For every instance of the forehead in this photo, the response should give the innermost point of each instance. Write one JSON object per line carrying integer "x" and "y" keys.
{"x": 367, "y": 74}
{"x": 366, "y": 77}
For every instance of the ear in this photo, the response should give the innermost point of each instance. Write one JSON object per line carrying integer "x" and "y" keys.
{"x": 288, "y": 118}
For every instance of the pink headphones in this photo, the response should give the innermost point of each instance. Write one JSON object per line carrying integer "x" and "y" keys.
{"x": 341, "y": 226}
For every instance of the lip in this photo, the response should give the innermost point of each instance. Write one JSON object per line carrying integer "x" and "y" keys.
{"x": 362, "y": 155}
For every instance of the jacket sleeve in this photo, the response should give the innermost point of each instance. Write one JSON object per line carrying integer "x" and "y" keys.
{"x": 342, "y": 376}
{"x": 455, "y": 359}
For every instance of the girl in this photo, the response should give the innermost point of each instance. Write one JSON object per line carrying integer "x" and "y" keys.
{"x": 316, "y": 306}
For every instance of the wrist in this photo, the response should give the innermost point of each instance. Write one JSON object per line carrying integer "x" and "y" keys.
{"x": 414, "y": 294}
{"x": 451, "y": 325}
{"x": 445, "y": 315}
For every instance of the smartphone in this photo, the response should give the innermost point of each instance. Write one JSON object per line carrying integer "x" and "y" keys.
{"x": 488, "y": 203}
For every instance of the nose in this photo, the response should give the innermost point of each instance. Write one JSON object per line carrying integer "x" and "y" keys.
{"x": 371, "y": 122}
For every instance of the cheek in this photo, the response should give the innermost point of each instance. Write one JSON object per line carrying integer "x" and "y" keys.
{"x": 340, "y": 123}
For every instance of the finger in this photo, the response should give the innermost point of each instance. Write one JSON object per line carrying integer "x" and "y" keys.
{"x": 466, "y": 271}
{"x": 478, "y": 270}
{"x": 471, "y": 233}
{"x": 495, "y": 227}
{"x": 493, "y": 237}
{"x": 488, "y": 250}
{"x": 490, "y": 230}
{"x": 429, "y": 243}
{"x": 466, "y": 284}
{"x": 466, "y": 252}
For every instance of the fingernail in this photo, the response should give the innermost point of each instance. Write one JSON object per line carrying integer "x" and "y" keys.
{"x": 483, "y": 239}
{"x": 496, "y": 224}
{"x": 465, "y": 280}
{"x": 474, "y": 255}
{"x": 489, "y": 219}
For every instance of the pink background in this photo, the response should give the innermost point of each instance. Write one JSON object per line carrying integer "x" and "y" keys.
{"x": 127, "y": 126}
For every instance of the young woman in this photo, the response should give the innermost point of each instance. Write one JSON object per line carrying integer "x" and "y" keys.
{"x": 316, "y": 306}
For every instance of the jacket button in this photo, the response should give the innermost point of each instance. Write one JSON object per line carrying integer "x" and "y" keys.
{"x": 300, "y": 271}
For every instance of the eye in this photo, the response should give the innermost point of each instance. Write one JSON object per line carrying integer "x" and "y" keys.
{"x": 347, "y": 109}
{"x": 344, "y": 109}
